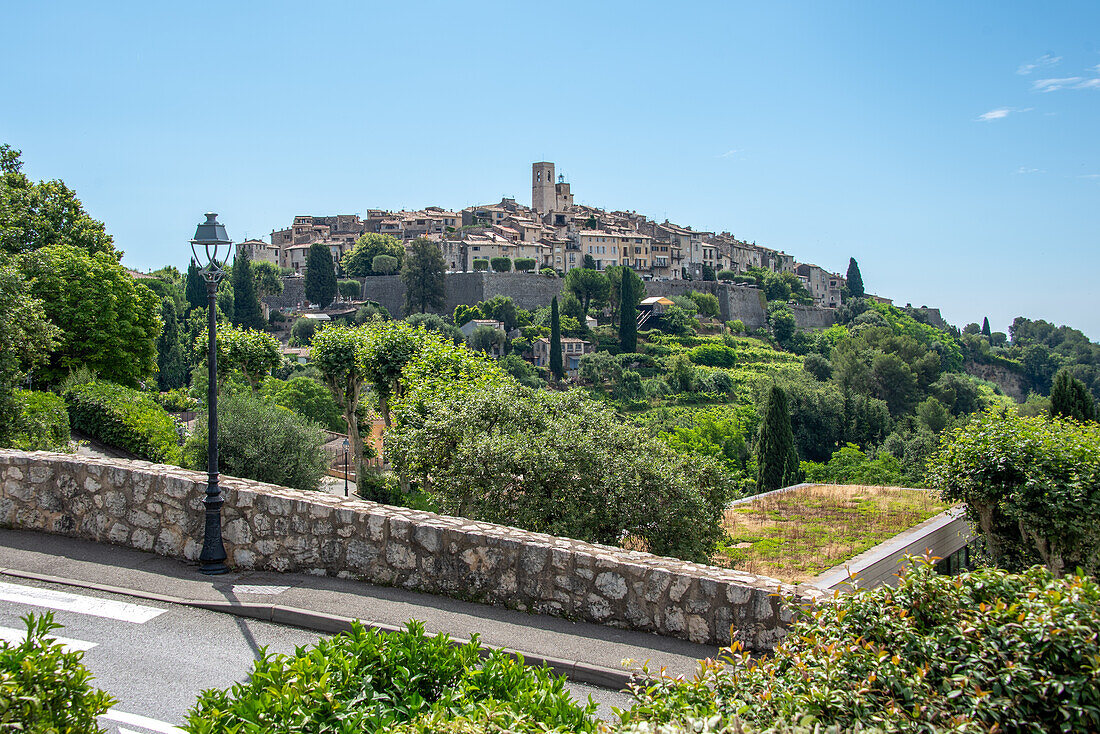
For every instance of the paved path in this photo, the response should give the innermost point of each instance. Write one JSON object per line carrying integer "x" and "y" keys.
{"x": 595, "y": 652}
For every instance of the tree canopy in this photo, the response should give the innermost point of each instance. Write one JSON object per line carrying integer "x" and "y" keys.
{"x": 591, "y": 287}
{"x": 247, "y": 312}
{"x": 422, "y": 275}
{"x": 320, "y": 285}
{"x": 26, "y": 338}
{"x": 107, "y": 320}
{"x": 855, "y": 280}
{"x": 44, "y": 214}
{"x": 359, "y": 262}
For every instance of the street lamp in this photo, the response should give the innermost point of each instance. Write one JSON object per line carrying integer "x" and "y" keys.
{"x": 345, "y": 467}
{"x": 209, "y": 237}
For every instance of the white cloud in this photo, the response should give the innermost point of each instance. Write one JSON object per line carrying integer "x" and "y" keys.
{"x": 1053, "y": 85}
{"x": 1025, "y": 169}
{"x": 996, "y": 114}
{"x": 1039, "y": 63}
{"x": 1089, "y": 175}
{"x": 1089, "y": 84}
{"x": 730, "y": 153}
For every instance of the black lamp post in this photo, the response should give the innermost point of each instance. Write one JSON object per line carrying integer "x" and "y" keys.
{"x": 345, "y": 467}
{"x": 210, "y": 236}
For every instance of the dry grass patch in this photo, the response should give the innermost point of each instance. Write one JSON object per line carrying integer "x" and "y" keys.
{"x": 795, "y": 535}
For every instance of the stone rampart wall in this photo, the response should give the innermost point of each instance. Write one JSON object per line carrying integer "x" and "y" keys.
{"x": 812, "y": 317}
{"x": 158, "y": 508}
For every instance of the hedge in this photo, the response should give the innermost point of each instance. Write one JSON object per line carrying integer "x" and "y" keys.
{"x": 43, "y": 422}
{"x": 124, "y": 418}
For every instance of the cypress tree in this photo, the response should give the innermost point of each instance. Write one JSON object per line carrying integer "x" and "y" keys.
{"x": 320, "y": 276}
{"x": 628, "y": 313}
{"x": 555, "y": 341}
{"x": 247, "y": 312}
{"x": 195, "y": 288}
{"x": 985, "y": 327}
{"x": 776, "y": 458}
{"x": 1069, "y": 398}
{"x": 855, "y": 280}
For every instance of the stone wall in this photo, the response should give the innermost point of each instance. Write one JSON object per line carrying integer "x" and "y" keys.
{"x": 812, "y": 317}
{"x": 1012, "y": 383}
{"x": 158, "y": 508}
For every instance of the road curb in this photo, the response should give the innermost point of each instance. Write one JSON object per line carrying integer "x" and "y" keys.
{"x": 595, "y": 675}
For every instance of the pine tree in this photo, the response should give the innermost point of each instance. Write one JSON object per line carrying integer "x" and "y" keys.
{"x": 776, "y": 458}
{"x": 855, "y": 280}
{"x": 555, "y": 341}
{"x": 247, "y": 312}
{"x": 628, "y": 313}
{"x": 1069, "y": 398}
{"x": 985, "y": 327}
{"x": 195, "y": 288}
{"x": 320, "y": 276}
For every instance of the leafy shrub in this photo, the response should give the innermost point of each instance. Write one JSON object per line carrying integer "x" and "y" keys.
{"x": 384, "y": 265}
{"x": 481, "y": 265}
{"x": 369, "y": 681}
{"x": 308, "y": 398}
{"x": 707, "y": 303}
{"x": 43, "y": 422}
{"x": 713, "y": 355}
{"x": 1032, "y": 485}
{"x": 818, "y": 366}
{"x": 301, "y": 333}
{"x": 501, "y": 264}
{"x": 525, "y": 264}
{"x": 177, "y": 401}
{"x": 727, "y": 274}
{"x": 978, "y": 652}
{"x": 549, "y": 272}
{"x": 371, "y": 311}
{"x": 43, "y": 688}
{"x": 849, "y": 465}
{"x": 261, "y": 441}
{"x": 124, "y": 418}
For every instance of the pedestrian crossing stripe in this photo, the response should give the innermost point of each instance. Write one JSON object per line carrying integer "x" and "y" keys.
{"x": 15, "y": 636}
{"x": 66, "y": 602}
{"x": 144, "y": 722}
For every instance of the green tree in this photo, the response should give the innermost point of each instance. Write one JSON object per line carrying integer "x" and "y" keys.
{"x": 247, "y": 312}
{"x": 422, "y": 275}
{"x": 248, "y": 351}
{"x": 782, "y": 324}
{"x": 1031, "y": 485}
{"x": 615, "y": 275}
{"x": 776, "y": 459}
{"x": 485, "y": 338}
{"x": 1069, "y": 398}
{"x": 308, "y": 398}
{"x": 985, "y": 327}
{"x": 26, "y": 338}
{"x": 706, "y": 303}
{"x": 501, "y": 264}
{"x": 359, "y": 262}
{"x": 349, "y": 289}
{"x": 591, "y": 287}
{"x": 44, "y": 214}
{"x": 628, "y": 317}
{"x": 480, "y": 265}
{"x": 320, "y": 284}
{"x": 172, "y": 366}
{"x": 525, "y": 264}
{"x": 338, "y": 352}
{"x": 855, "y": 280}
{"x": 302, "y": 331}
{"x": 194, "y": 288}
{"x": 556, "y": 368}
{"x": 267, "y": 280}
{"x": 385, "y": 265}
{"x": 108, "y": 321}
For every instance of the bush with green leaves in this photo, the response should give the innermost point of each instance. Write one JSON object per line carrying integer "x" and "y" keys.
{"x": 558, "y": 463}
{"x": 45, "y": 689}
{"x": 127, "y": 419}
{"x": 301, "y": 333}
{"x": 42, "y": 423}
{"x": 308, "y": 398}
{"x": 849, "y": 465}
{"x": 501, "y": 264}
{"x": 406, "y": 681}
{"x": 525, "y": 264}
{"x": 177, "y": 401}
{"x": 1031, "y": 485}
{"x": 262, "y": 441}
{"x": 480, "y": 265}
{"x": 978, "y": 652}
{"x": 713, "y": 355}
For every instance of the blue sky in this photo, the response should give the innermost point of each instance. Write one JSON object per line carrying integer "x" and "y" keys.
{"x": 952, "y": 148}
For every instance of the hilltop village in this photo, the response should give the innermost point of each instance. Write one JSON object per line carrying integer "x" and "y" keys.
{"x": 556, "y": 233}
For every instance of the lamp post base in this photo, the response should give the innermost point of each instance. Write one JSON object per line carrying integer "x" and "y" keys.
{"x": 216, "y": 568}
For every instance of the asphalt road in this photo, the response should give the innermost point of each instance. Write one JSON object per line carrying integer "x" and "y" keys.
{"x": 156, "y": 658}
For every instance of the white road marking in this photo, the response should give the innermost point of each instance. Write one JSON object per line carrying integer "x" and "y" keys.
{"x": 14, "y": 636}
{"x": 144, "y": 722}
{"x": 122, "y": 611}
{"x": 256, "y": 589}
